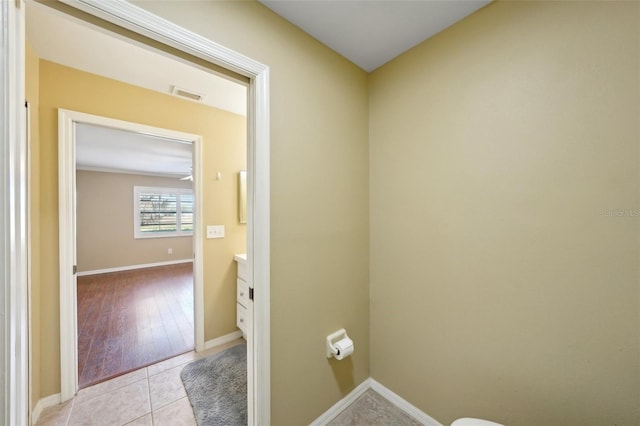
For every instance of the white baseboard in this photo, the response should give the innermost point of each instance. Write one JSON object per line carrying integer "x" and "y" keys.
{"x": 404, "y": 405}
{"x": 392, "y": 397}
{"x": 132, "y": 267}
{"x": 222, "y": 339}
{"x": 46, "y": 402}
{"x": 339, "y": 406}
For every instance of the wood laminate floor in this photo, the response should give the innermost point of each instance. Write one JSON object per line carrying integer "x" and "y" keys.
{"x": 132, "y": 319}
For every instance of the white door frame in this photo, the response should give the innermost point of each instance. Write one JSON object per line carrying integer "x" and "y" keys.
{"x": 133, "y": 18}
{"x": 67, "y": 240}
{"x": 14, "y": 380}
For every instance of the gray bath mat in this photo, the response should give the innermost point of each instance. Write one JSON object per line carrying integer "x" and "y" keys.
{"x": 217, "y": 387}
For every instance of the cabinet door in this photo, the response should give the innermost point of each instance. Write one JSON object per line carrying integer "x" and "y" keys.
{"x": 242, "y": 293}
{"x": 241, "y": 318}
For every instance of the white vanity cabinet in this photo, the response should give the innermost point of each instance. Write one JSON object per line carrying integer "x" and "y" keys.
{"x": 242, "y": 295}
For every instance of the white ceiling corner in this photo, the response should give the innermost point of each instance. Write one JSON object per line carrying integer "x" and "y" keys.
{"x": 372, "y": 32}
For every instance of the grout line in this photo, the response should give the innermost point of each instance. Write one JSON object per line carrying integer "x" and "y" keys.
{"x": 173, "y": 366}
{"x": 72, "y": 403}
{"x": 153, "y": 408}
{"x": 149, "y": 390}
{"x": 150, "y": 403}
{"x": 104, "y": 392}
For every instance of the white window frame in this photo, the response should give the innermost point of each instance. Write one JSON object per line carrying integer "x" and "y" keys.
{"x": 179, "y": 192}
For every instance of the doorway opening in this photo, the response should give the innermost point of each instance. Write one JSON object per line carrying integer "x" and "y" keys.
{"x": 130, "y": 18}
{"x": 135, "y": 281}
{"x": 104, "y": 325}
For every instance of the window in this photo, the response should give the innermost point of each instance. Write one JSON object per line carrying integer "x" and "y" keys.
{"x": 162, "y": 212}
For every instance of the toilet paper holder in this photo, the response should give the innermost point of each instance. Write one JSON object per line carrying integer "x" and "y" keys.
{"x": 332, "y": 339}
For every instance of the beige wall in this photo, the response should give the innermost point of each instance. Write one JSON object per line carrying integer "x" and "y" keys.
{"x": 319, "y": 200}
{"x": 224, "y": 150}
{"x": 500, "y": 287}
{"x": 104, "y": 225}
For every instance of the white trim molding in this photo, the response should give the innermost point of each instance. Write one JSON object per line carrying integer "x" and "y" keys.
{"x": 198, "y": 239}
{"x": 403, "y": 404}
{"x": 67, "y": 241}
{"x": 133, "y": 267}
{"x": 222, "y": 339}
{"x": 67, "y": 258}
{"x": 138, "y": 20}
{"x": 14, "y": 380}
{"x": 389, "y": 395}
{"x": 42, "y": 405}
{"x": 341, "y": 405}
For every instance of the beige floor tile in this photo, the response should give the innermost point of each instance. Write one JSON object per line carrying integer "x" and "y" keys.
{"x": 56, "y": 415}
{"x": 110, "y": 385}
{"x": 171, "y": 362}
{"x": 178, "y": 413}
{"x": 145, "y": 420}
{"x": 166, "y": 387}
{"x": 129, "y": 399}
{"x": 117, "y": 407}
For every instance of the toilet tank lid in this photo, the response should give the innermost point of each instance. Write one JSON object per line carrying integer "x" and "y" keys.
{"x": 468, "y": 421}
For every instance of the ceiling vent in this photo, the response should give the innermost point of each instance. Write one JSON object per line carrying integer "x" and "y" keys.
{"x": 187, "y": 94}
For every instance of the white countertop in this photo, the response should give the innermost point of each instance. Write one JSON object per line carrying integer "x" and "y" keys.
{"x": 240, "y": 258}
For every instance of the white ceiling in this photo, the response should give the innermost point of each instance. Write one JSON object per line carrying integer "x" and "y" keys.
{"x": 372, "y": 32}
{"x": 106, "y": 149}
{"x": 65, "y": 40}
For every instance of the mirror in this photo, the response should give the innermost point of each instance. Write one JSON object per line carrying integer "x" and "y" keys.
{"x": 242, "y": 196}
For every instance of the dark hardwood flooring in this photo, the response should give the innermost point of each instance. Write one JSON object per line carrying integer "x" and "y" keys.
{"x": 130, "y": 319}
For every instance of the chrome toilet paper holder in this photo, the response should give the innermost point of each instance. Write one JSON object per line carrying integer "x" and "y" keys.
{"x": 332, "y": 339}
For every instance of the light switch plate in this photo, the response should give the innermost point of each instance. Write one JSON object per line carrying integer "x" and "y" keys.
{"x": 215, "y": 231}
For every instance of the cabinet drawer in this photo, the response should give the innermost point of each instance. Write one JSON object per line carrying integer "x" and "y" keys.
{"x": 242, "y": 294}
{"x": 241, "y": 318}
{"x": 242, "y": 271}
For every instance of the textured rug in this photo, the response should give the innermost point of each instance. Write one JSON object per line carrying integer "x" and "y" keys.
{"x": 217, "y": 387}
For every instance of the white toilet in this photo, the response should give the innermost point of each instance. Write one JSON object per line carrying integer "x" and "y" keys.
{"x": 468, "y": 421}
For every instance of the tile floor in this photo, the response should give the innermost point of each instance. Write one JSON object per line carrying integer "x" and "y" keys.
{"x": 153, "y": 395}
{"x": 372, "y": 409}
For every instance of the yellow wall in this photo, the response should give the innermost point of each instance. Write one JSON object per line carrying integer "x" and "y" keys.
{"x": 224, "y": 143}
{"x": 501, "y": 287}
{"x": 319, "y": 200}
{"x": 32, "y": 76}
{"x": 104, "y": 227}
